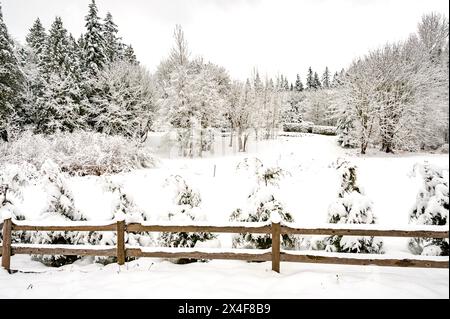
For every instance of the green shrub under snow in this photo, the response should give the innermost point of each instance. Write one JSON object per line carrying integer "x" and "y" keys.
{"x": 78, "y": 153}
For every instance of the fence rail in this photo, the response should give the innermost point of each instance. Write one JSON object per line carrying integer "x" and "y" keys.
{"x": 275, "y": 254}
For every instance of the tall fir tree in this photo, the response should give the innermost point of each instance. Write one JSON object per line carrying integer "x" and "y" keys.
{"x": 37, "y": 38}
{"x": 113, "y": 47}
{"x": 317, "y": 85}
{"x": 310, "y": 79}
{"x": 326, "y": 79}
{"x": 57, "y": 108}
{"x": 129, "y": 55}
{"x": 94, "y": 42}
{"x": 10, "y": 80}
{"x": 298, "y": 84}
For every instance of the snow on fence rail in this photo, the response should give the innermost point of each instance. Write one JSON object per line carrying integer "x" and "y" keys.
{"x": 275, "y": 254}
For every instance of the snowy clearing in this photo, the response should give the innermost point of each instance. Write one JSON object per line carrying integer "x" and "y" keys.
{"x": 307, "y": 192}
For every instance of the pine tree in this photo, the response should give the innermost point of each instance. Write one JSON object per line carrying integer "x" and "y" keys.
{"x": 36, "y": 38}
{"x": 310, "y": 84}
{"x": 11, "y": 79}
{"x": 286, "y": 85}
{"x": 60, "y": 206}
{"x": 122, "y": 205}
{"x": 186, "y": 205}
{"x": 316, "y": 81}
{"x": 94, "y": 43}
{"x": 326, "y": 79}
{"x": 298, "y": 84}
{"x": 113, "y": 47}
{"x": 431, "y": 208}
{"x": 58, "y": 107}
{"x": 262, "y": 203}
{"x": 56, "y": 49}
{"x": 351, "y": 207}
{"x": 129, "y": 55}
{"x": 336, "y": 82}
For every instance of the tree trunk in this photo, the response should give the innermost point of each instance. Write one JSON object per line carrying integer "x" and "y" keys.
{"x": 245, "y": 142}
{"x": 231, "y": 137}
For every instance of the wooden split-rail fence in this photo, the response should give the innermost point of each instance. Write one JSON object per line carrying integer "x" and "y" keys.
{"x": 275, "y": 254}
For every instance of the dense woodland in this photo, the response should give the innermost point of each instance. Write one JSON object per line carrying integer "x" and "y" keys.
{"x": 393, "y": 98}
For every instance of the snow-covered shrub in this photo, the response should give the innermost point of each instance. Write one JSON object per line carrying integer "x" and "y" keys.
{"x": 324, "y": 130}
{"x": 122, "y": 205}
{"x": 261, "y": 204}
{"x": 13, "y": 178}
{"x": 351, "y": 207}
{"x": 266, "y": 176}
{"x": 60, "y": 208}
{"x": 185, "y": 209}
{"x": 431, "y": 208}
{"x": 346, "y": 133}
{"x": 79, "y": 153}
{"x": 302, "y": 127}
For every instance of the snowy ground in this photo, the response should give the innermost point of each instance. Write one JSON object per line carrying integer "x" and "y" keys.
{"x": 146, "y": 278}
{"x": 306, "y": 194}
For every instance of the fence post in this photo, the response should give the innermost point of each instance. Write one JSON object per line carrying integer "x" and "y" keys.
{"x": 276, "y": 242}
{"x": 121, "y": 242}
{"x": 6, "y": 246}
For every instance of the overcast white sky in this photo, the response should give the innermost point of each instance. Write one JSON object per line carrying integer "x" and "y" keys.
{"x": 277, "y": 36}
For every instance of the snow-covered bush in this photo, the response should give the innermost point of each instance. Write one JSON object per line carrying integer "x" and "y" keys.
{"x": 261, "y": 204}
{"x": 60, "y": 208}
{"x": 13, "y": 178}
{"x": 324, "y": 130}
{"x": 266, "y": 176}
{"x": 122, "y": 205}
{"x": 260, "y": 207}
{"x": 302, "y": 127}
{"x": 351, "y": 207}
{"x": 431, "y": 208}
{"x": 78, "y": 153}
{"x": 185, "y": 209}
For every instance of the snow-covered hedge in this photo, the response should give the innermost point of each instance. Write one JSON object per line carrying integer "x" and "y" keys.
{"x": 78, "y": 153}
{"x": 303, "y": 127}
{"x": 324, "y": 130}
{"x": 309, "y": 127}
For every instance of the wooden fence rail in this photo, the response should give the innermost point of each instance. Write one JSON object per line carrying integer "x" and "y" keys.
{"x": 275, "y": 254}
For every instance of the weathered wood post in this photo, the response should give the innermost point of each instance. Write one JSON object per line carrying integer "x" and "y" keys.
{"x": 121, "y": 240}
{"x": 6, "y": 246}
{"x": 276, "y": 242}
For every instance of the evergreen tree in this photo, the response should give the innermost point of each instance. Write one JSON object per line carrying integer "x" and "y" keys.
{"x": 113, "y": 46}
{"x": 11, "y": 79}
{"x": 316, "y": 82}
{"x": 94, "y": 43}
{"x": 351, "y": 207}
{"x": 186, "y": 209}
{"x": 56, "y": 50}
{"x": 336, "y": 82}
{"x": 262, "y": 203}
{"x": 298, "y": 84}
{"x": 36, "y": 38}
{"x": 60, "y": 207}
{"x": 286, "y": 85}
{"x": 326, "y": 79}
{"x": 431, "y": 208}
{"x": 310, "y": 84}
{"x": 129, "y": 55}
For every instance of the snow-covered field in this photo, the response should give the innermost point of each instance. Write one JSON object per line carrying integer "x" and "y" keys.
{"x": 147, "y": 278}
{"x": 306, "y": 193}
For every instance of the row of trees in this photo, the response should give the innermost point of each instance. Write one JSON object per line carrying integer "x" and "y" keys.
{"x": 58, "y": 83}
{"x": 396, "y": 97}
{"x": 392, "y": 98}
